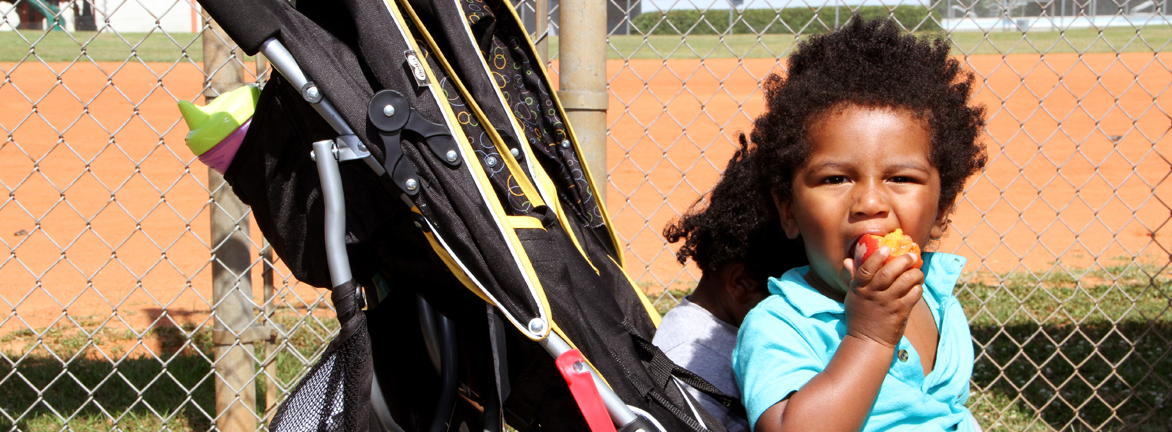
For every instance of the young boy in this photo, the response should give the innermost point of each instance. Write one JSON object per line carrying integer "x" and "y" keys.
{"x": 737, "y": 245}
{"x": 871, "y": 131}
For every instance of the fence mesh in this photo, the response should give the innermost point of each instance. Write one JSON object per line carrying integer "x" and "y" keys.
{"x": 106, "y": 285}
{"x": 1066, "y": 232}
{"x": 109, "y": 323}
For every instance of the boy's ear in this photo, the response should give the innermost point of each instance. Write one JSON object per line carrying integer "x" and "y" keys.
{"x": 941, "y": 224}
{"x": 788, "y": 224}
{"x": 738, "y": 283}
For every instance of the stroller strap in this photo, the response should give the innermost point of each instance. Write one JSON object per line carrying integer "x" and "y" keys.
{"x": 663, "y": 369}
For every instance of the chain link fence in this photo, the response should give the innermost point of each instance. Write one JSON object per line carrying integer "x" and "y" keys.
{"x": 107, "y": 293}
{"x": 1066, "y": 232}
{"x": 109, "y": 317}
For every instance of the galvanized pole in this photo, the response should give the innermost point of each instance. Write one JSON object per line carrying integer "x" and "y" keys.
{"x": 270, "y": 307}
{"x": 231, "y": 260}
{"x": 582, "y": 79}
{"x": 541, "y": 18}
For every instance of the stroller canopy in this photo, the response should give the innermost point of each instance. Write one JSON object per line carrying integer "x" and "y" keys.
{"x": 473, "y": 192}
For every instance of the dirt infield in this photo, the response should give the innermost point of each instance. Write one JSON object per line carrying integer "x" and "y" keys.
{"x": 1080, "y": 137}
{"x": 1078, "y": 150}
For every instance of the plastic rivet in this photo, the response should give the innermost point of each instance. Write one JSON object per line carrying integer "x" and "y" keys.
{"x": 579, "y": 366}
{"x": 566, "y": 144}
{"x": 491, "y": 161}
{"x": 388, "y": 110}
{"x": 361, "y": 147}
{"x": 515, "y": 152}
{"x": 412, "y": 184}
{"x": 536, "y": 325}
{"x": 451, "y": 155}
{"x": 418, "y": 225}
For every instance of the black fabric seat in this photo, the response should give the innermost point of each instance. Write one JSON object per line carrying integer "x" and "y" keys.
{"x": 505, "y": 239}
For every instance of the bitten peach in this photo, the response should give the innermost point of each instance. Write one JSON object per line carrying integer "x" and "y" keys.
{"x": 896, "y": 241}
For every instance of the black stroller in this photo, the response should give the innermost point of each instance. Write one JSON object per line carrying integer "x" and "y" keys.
{"x": 411, "y": 157}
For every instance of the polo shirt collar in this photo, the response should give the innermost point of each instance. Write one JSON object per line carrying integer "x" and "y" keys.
{"x": 941, "y": 273}
{"x": 801, "y": 296}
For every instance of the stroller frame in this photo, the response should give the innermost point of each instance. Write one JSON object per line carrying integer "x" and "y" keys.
{"x": 327, "y": 154}
{"x": 448, "y": 104}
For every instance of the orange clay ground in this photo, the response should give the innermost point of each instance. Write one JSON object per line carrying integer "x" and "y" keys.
{"x": 1084, "y": 178}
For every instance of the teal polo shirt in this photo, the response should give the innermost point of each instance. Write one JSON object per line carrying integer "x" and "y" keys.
{"x": 792, "y": 334}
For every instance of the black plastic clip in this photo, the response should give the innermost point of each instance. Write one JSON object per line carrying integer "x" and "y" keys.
{"x": 392, "y": 114}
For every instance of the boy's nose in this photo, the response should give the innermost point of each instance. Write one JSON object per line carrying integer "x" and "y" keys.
{"x": 869, "y": 201}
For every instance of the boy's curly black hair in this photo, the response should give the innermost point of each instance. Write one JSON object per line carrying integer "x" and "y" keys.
{"x": 738, "y": 223}
{"x": 870, "y": 64}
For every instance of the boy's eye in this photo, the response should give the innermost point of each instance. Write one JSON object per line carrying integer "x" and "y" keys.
{"x": 901, "y": 179}
{"x": 834, "y": 180}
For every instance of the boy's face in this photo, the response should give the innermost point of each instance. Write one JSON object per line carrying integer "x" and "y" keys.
{"x": 869, "y": 172}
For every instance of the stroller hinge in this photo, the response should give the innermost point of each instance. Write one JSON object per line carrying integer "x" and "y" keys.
{"x": 392, "y": 114}
{"x": 400, "y": 170}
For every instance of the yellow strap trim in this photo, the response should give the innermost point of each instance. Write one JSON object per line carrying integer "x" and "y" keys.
{"x": 513, "y": 167}
{"x": 526, "y": 222}
{"x": 451, "y": 263}
{"x": 543, "y": 177}
{"x": 482, "y": 179}
{"x": 614, "y": 238}
{"x": 651, "y": 312}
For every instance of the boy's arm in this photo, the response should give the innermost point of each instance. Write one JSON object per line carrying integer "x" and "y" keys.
{"x": 840, "y": 397}
{"x": 837, "y": 399}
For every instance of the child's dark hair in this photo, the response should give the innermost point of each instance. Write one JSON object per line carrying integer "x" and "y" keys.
{"x": 737, "y": 224}
{"x": 870, "y": 64}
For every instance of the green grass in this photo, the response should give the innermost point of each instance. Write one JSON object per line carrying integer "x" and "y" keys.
{"x": 130, "y": 392}
{"x": 1154, "y": 39}
{"x": 1075, "y": 350}
{"x": 1072, "y": 350}
{"x": 58, "y": 46}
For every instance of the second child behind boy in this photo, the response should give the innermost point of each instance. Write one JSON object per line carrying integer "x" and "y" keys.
{"x": 872, "y": 130}
{"x": 735, "y": 240}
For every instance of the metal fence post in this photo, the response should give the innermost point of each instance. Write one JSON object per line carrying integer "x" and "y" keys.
{"x": 270, "y": 353}
{"x": 231, "y": 264}
{"x": 582, "y": 80}
{"x": 541, "y": 18}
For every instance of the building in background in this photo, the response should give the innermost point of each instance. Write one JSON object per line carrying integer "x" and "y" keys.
{"x": 121, "y": 16}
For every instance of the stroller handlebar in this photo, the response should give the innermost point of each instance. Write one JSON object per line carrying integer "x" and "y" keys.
{"x": 249, "y": 23}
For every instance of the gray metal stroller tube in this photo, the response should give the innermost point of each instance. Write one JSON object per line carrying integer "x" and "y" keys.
{"x": 439, "y": 337}
{"x": 327, "y": 154}
{"x": 337, "y": 258}
{"x": 431, "y": 340}
{"x": 349, "y": 147}
{"x": 335, "y": 223}
{"x": 620, "y": 413}
{"x": 283, "y": 62}
{"x": 449, "y": 380}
